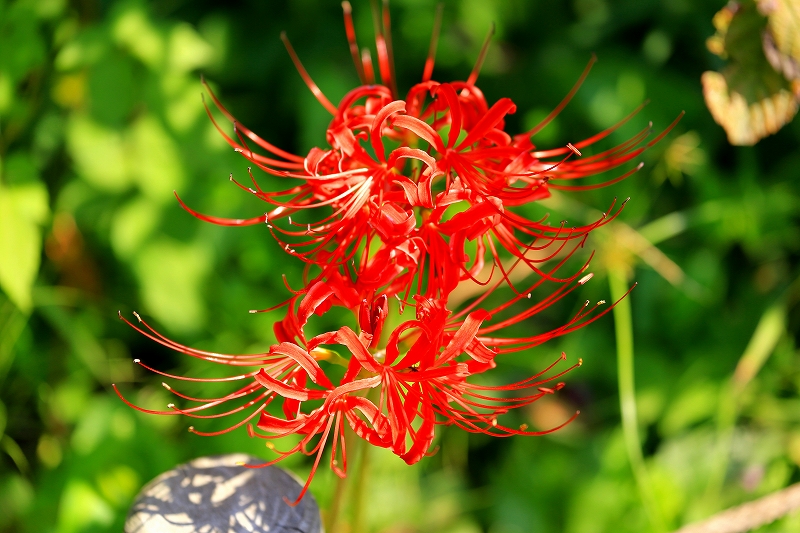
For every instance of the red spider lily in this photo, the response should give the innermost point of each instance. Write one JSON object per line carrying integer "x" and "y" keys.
{"x": 420, "y": 194}
{"x": 422, "y": 373}
{"x": 389, "y": 206}
{"x": 431, "y": 378}
{"x": 283, "y": 374}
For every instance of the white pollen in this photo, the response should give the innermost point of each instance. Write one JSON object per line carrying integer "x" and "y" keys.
{"x": 585, "y": 278}
{"x": 137, "y": 361}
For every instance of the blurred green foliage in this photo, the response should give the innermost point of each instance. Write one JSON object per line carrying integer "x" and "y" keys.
{"x": 101, "y": 119}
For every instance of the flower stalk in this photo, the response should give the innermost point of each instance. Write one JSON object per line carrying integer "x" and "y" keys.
{"x": 623, "y": 326}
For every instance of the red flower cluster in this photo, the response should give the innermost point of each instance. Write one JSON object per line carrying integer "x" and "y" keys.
{"x": 417, "y": 196}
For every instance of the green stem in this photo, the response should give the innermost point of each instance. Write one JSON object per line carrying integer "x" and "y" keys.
{"x": 359, "y": 489}
{"x": 343, "y": 496}
{"x": 623, "y": 325}
{"x": 769, "y": 331}
{"x": 332, "y": 518}
{"x": 350, "y": 492}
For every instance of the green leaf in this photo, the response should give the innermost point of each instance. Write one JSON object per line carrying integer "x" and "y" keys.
{"x": 171, "y": 274}
{"x": 19, "y": 32}
{"x": 98, "y": 153}
{"x": 81, "y": 507}
{"x": 22, "y": 209}
{"x": 133, "y": 30}
{"x": 156, "y": 167}
{"x": 132, "y": 224}
{"x": 187, "y": 50}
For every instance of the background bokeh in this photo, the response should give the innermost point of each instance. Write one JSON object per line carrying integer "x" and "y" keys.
{"x": 101, "y": 119}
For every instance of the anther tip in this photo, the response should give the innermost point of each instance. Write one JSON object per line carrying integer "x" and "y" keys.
{"x": 137, "y": 361}
{"x": 166, "y": 386}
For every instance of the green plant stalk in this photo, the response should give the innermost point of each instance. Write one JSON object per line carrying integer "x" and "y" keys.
{"x": 360, "y": 489}
{"x": 348, "y": 497}
{"x": 623, "y": 325}
{"x": 768, "y": 332}
{"x": 335, "y": 510}
{"x": 350, "y": 492}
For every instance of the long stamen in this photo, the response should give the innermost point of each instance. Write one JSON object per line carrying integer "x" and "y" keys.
{"x": 387, "y": 33}
{"x": 366, "y": 62}
{"x": 351, "y": 39}
{"x": 437, "y": 24}
{"x": 565, "y": 101}
{"x": 321, "y": 98}
{"x": 473, "y": 77}
{"x": 381, "y": 46}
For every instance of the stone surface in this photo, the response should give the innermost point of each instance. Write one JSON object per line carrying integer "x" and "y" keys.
{"x": 214, "y": 495}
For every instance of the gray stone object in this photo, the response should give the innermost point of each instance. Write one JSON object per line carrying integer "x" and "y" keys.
{"x": 214, "y": 495}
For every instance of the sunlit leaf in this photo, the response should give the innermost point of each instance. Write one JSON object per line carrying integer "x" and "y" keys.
{"x": 99, "y": 154}
{"x": 171, "y": 274}
{"x": 134, "y": 30}
{"x": 132, "y": 224}
{"x": 157, "y": 166}
{"x": 81, "y": 508}
{"x": 22, "y": 208}
{"x": 187, "y": 50}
